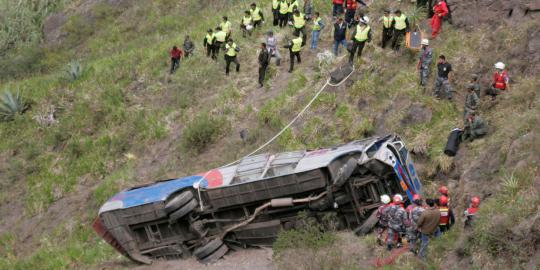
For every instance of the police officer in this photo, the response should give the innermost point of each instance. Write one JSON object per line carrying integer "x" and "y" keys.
{"x": 387, "y": 21}
{"x": 208, "y": 43}
{"x": 283, "y": 13}
{"x": 299, "y": 23}
{"x": 220, "y": 38}
{"x": 295, "y": 46}
{"x": 360, "y": 35}
{"x": 401, "y": 27}
{"x": 230, "y": 56}
{"x": 424, "y": 61}
{"x": 257, "y": 15}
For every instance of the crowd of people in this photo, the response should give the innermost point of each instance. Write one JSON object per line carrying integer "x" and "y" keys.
{"x": 418, "y": 220}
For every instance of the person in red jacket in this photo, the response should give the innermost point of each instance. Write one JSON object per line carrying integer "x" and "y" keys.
{"x": 337, "y": 7}
{"x": 440, "y": 10}
{"x": 500, "y": 81}
{"x": 176, "y": 53}
{"x": 470, "y": 213}
{"x": 447, "y": 216}
{"x": 351, "y": 6}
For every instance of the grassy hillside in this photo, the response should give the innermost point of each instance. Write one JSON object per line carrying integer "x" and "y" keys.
{"x": 123, "y": 120}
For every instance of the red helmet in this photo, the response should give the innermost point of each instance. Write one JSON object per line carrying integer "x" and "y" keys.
{"x": 475, "y": 201}
{"x": 416, "y": 197}
{"x": 443, "y": 190}
{"x": 443, "y": 200}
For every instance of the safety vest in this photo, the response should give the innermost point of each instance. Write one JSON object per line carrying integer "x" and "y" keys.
{"x": 283, "y": 7}
{"x": 225, "y": 26}
{"x": 230, "y": 50}
{"x": 275, "y": 4}
{"x": 471, "y": 211}
{"x": 352, "y": 4}
{"x": 299, "y": 21}
{"x": 256, "y": 13}
{"x": 247, "y": 20}
{"x": 500, "y": 80}
{"x": 220, "y": 36}
{"x": 316, "y": 24}
{"x": 387, "y": 21}
{"x": 400, "y": 22}
{"x": 362, "y": 34}
{"x": 210, "y": 38}
{"x": 445, "y": 215}
{"x": 292, "y": 5}
{"x": 297, "y": 44}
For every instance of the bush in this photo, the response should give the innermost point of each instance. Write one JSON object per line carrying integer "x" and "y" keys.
{"x": 74, "y": 70}
{"x": 309, "y": 235}
{"x": 201, "y": 131}
{"x": 11, "y": 106}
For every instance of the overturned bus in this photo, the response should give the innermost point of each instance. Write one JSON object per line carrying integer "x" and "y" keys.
{"x": 249, "y": 203}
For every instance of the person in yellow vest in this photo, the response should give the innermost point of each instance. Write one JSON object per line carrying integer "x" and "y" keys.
{"x": 275, "y": 12}
{"x": 360, "y": 35}
{"x": 401, "y": 27}
{"x": 246, "y": 24}
{"x": 208, "y": 43}
{"x": 387, "y": 21}
{"x": 318, "y": 26}
{"x": 226, "y": 26}
{"x": 293, "y": 5}
{"x": 257, "y": 15}
{"x": 230, "y": 56}
{"x": 283, "y": 13}
{"x": 220, "y": 38}
{"x": 299, "y": 24}
{"x": 295, "y": 46}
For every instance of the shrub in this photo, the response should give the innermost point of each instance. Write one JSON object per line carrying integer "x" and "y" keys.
{"x": 74, "y": 70}
{"x": 11, "y": 106}
{"x": 201, "y": 131}
{"x": 309, "y": 235}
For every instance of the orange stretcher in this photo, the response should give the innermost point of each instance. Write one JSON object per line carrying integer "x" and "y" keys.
{"x": 413, "y": 40}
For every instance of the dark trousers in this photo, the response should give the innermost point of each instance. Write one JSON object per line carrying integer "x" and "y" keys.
{"x": 275, "y": 13}
{"x": 386, "y": 36}
{"x": 297, "y": 55}
{"x": 228, "y": 61}
{"x": 357, "y": 45}
{"x": 217, "y": 46}
{"x": 398, "y": 38}
{"x": 175, "y": 63}
{"x": 210, "y": 51}
{"x": 283, "y": 19}
{"x": 262, "y": 73}
{"x": 337, "y": 10}
{"x": 304, "y": 34}
{"x": 257, "y": 23}
{"x": 349, "y": 16}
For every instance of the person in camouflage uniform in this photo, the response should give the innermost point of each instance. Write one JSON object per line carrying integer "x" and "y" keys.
{"x": 396, "y": 223}
{"x": 382, "y": 218}
{"x": 413, "y": 213}
{"x": 476, "y": 83}
{"x": 471, "y": 102}
{"x": 474, "y": 128}
{"x": 424, "y": 61}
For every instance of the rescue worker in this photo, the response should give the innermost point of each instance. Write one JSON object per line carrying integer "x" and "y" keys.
{"x": 299, "y": 24}
{"x": 318, "y": 26}
{"x": 396, "y": 223}
{"x": 295, "y": 46}
{"x": 308, "y": 9}
{"x": 340, "y": 35}
{"x": 220, "y": 38}
{"x": 360, "y": 35}
{"x": 476, "y": 83}
{"x": 401, "y": 27}
{"x": 387, "y": 31}
{"x": 471, "y": 102}
{"x": 444, "y": 77}
{"x": 474, "y": 128}
{"x": 275, "y": 12}
{"x": 264, "y": 60}
{"x": 337, "y": 9}
{"x": 272, "y": 45}
{"x": 470, "y": 213}
{"x": 428, "y": 226}
{"x": 226, "y": 26}
{"x": 175, "y": 53}
{"x": 500, "y": 82}
{"x": 440, "y": 10}
{"x": 447, "y": 218}
{"x": 246, "y": 24}
{"x": 283, "y": 13}
{"x": 413, "y": 214}
{"x": 208, "y": 43}
{"x": 382, "y": 218}
{"x": 293, "y": 6}
{"x": 424, "y": 62}
{"x": 350, "y": 10}
{"x": 230, "y": 56}
{"x": 257, "y": 15}
{"x": 188, "y": 46}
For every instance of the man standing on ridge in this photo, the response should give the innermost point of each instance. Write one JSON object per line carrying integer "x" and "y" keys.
{"x": 308, "y": 9}
{"x": 220, "y": 38}
{"x": 351, "y": 6}
{"x": 188, "y": 46}
{"x": 272, "y": 45}
{"x": 299, "y": 23}
{"x": 440, "y": 10}
{"x": 424, "y": 62}
{"x": 264, "y": 59}
{"x": 257, "y": 15}
{"x": 318, "y": 26}
{"x": 295, "y": 46}
{"x": 208, "y": 43}
{"x": 283, "y": 13}
{"x": 226, "y": 26}
{"x": 175, "y": 53}
{"x": 230, "y": 56}
{"x": 444, "y": 70}
{"x": 340, "y": 35}
{"x": 471, "y": 102}
{"x": 401, "y": 27}
{"x": 275, "y": 12}
{"x": 388, "y": 22}
{"x": 360, "y": 35}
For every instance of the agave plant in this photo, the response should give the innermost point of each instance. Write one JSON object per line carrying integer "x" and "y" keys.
{"x": 416, "y": 15}
{"x": 11, "y": 105}
{"x": 74, "y": 70}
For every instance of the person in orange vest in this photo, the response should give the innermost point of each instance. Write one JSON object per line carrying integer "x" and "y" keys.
{"x": 350, "y": 7}
{"x": 470, "y": 213}
{"x": 440, "y": 10}
{"x": 500, "y": 82}
{"x": 443, "y": 190}
{"x": 447, "y": 216}
{"x": 382, "y": 218}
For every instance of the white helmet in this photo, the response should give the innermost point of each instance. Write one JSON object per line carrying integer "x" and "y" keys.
{"x": 385, "y": 199}
{"x": 364, "y": 20}
{"x": 499, "y": 65}
{"x": 425, "y": 41}
{"x": 249, "y": 27}
{"x": 398, "y": 198}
